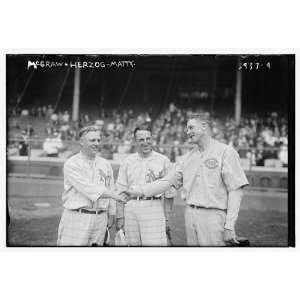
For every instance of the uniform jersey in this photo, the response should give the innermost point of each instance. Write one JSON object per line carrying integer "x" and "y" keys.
{"x": 210, "y": 175}
{"x": 136, "y": 171}
{"x": 145, "y": 223}
{"x": 206, "y": 177}
{"x": 84, "y": 182}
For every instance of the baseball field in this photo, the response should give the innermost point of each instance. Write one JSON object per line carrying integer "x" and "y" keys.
{"x": 35, "y": 209}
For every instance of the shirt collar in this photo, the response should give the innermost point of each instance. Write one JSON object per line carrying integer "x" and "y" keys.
{"x": 196, "y": 149}
{"x": 87, "y": 159}
{"x": 150, "y": 157}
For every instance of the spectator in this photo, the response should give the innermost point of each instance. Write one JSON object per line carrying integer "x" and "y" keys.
{"x": 65, "y": 131}
{"x": 52, "y": 145}
{"x": 168, "y": 129}
{"x": 25, "y": 113}
{"x": 44, "y": 111}
{"x": 54, "y": 119}
{"x": 30, "y": 130}
{"x": 23, "y": 144}
{"x": 39, "y": 112}
{"x": 49, "y": 111}
{"x": 283, "y": 155}
{"x": 66, "y": 117}
{"x": 49, "y": 130}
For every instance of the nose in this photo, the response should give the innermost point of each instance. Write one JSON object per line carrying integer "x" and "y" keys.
{"x": 97, "y": 142}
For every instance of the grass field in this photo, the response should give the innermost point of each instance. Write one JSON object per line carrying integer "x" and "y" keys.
{"x": 35, "y": 210}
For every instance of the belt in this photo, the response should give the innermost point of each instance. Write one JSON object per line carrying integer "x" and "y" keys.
{"x": 87, "y": 211}
{"x": 195, "y": 206}
{"x": 145, "y": 198}
{"x": 202, "y": 207}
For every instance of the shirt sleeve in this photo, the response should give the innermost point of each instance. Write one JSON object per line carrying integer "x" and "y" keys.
{"x": 171, "y": 192}
{"x": 232, "y": 172}
{"x": 234, "y": 202}
{"x": 112, "y": 203}
{"x": 173, "y": 178}
{"x": 73, "y": 173}
{"x": 122, "y": 180}
{"x": 59, "y": 144}
{"x": 121, "y": 185}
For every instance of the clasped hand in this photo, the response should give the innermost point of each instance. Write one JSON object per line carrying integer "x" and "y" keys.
{"x": 125, "y": 196}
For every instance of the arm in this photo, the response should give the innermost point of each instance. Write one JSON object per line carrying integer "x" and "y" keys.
{"x": 234, "y": 179}
{"x": 93, "y": 192}
{"x": 121, "y": 185}
{"x": 112, "y": 203}
{"x": 234, "y": 201}
{"x": 172, "y": 179}
{"x": 169, "y": 194}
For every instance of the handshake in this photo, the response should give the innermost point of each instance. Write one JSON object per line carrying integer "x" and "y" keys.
{"x": 124, "y": 196}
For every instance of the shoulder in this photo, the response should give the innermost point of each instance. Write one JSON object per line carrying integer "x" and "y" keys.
{"x": 73, "y": 160}
{"x": 159, "y": 156}
{"x": 129, "y": 159}
{"x": 223, "y": 149}
{"x": 228, "y": 152}
{"x": 102, "y": 161}
{"x": 187, "y": 155}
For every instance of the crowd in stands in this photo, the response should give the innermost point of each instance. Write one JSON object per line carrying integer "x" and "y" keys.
{"x": 256, "y": 138}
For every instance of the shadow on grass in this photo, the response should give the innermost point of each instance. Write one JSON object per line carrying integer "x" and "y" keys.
{"x": 261, "y": 228}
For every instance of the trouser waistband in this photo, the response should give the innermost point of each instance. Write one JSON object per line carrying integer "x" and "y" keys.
{"x": 87, "y": 211}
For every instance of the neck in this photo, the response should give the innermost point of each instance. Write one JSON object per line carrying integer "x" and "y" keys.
{"x": 88, "y": 155}
{"x": 205, "y": 143}
{"x": 144, "y": 155}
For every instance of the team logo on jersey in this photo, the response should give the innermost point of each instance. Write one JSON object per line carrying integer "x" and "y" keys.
{"x": 151, "y": 176}
{"x": 104, "y": 178}
{"x": 211, "y": 163}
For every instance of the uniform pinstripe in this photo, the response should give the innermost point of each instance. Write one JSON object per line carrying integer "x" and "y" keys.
{"x": 145, "y": 223}
{"x": 206, "y": 179}
{"x": 84, "y": 182}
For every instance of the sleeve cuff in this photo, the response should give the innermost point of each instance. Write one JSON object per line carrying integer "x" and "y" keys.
{"x": 101, "y": 191}
{"x": 238, "y": 186}
{"x": 229, "y": 225}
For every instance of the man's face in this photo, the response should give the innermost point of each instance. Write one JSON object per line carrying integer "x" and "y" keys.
{"x": 90, "y": 143}
{"x": 143, "y": 140}
{"x": 195, "y": 130}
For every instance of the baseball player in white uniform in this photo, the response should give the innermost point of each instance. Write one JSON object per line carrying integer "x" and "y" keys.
{"x": 144, "y": 217}
{"x": 88, "y": 197}
{"x": 212, "y": 180}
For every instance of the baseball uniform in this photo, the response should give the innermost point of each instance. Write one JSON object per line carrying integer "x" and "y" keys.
{"x": 206, "y": 178}
{"x": 84, "y": 219}
{"x": 145, "y": 223}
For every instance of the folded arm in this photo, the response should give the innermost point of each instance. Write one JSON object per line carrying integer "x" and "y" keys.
{"x": 90, "y": 190}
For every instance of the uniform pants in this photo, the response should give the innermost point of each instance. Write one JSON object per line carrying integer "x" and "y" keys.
{"x": 145, "y": 223}
{"x": 80, "y": 229}
{"x": 204, "y": 226}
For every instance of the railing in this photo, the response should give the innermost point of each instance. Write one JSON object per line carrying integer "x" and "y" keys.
{"x": 37, "y": 164}
{"x": 109, "y": 150}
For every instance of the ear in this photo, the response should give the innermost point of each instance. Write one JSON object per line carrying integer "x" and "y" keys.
{"x": 204, "y": 125}
{"x": 80, "y": 141}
